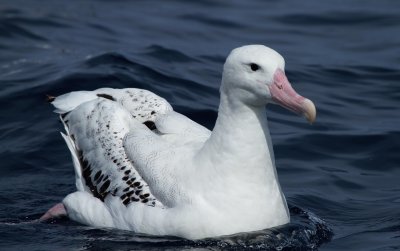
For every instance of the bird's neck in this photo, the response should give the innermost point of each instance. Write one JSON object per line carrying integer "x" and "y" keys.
{"x": 240, "y": 139}
{"x": 237, "y": 162}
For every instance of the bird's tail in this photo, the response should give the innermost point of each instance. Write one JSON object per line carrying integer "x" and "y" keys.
{"x": 69, "y": 101}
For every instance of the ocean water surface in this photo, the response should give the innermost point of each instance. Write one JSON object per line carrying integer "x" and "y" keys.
{"x": 340, "y": 176}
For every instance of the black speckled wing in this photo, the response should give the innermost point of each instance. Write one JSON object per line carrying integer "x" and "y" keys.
{"x": 95, "y": 132}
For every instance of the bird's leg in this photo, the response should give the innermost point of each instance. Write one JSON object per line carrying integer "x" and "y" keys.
{"x": 56, "y": 211}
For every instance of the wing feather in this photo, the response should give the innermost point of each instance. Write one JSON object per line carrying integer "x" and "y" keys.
{"x": 96, "y": 124}
{"x": 94, "y": 134}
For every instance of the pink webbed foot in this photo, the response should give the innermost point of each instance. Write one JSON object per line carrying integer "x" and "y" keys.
{"x": 56, "y": 211}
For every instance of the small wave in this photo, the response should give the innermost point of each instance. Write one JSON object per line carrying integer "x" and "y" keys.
{"x": 213, "y": 21}
{"x": 168, "y": 55}
{"x": 12, "y": 30}
{"x": 339, "y": 18}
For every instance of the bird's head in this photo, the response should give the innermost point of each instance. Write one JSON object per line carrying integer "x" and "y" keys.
{"x": 255, "y": 74}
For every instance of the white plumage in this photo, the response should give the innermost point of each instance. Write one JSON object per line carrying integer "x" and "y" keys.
{"x": 141, "y": 166}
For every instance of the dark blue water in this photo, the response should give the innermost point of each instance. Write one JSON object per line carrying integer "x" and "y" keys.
{"x": 343, "y": 55}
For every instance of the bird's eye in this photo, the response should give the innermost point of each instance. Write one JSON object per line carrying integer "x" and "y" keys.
{"x": 254, "y": 67}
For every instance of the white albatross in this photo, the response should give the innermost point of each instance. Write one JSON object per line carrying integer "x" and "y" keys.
{"x": 140, "y": 166}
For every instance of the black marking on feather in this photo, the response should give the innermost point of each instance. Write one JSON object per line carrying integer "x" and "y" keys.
{"x": 126, "y": 201}
{"x": 63, "y": 115}
{"x": 114, "y": 193}
{"x": 97, "y": 176}
{"x": 150, "y": 125}
{"x": 129, "y": 194}
{"x": 50, "y": 98}
{"x": 104, "y": 187}
{"x": 86, "y": 172}
{"x": 106, "y": 96}
{"x": 135, "y": 199}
